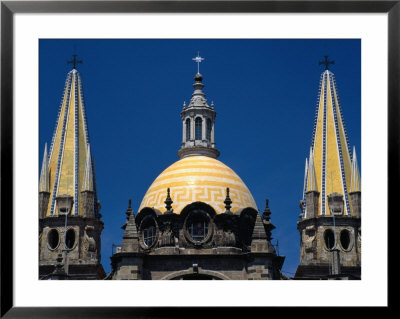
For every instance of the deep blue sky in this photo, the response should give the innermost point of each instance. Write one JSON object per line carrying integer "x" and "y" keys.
{"x": 265, "y": 94}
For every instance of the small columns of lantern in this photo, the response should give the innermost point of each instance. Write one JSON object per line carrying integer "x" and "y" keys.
{"x": 228, "y": 202}
{"x": 168, "y": 203}
{"x": 267, "y": 220}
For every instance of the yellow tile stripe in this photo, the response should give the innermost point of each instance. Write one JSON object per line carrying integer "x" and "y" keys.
{"x": 198, "y": 178}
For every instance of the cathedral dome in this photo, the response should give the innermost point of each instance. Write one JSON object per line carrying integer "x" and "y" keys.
{"x": 198, "y": 178}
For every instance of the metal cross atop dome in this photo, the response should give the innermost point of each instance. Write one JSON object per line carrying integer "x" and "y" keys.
{"x": 198, "y": 59}
{"x": 326, "y": 62}
{"x": 75, "y": 61}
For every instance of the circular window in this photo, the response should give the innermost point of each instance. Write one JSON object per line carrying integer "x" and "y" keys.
{"x": 345, "y": 239}
{"x": 329, "y": 238}
{"x": 70, "y": 239}
{"x": 149, "y": 232}
{"x": 53, "y": 238}
{"x": 198, "y": 226}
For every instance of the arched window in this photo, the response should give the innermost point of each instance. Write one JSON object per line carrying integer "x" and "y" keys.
{"x": 149, "y": 231}
{"x": 198, "y": 128}
{"x": 329, "y": 238}
{"x": 345, "y": 239}
{"x": 198, "y": 225}
{"x": 208, "y": 130}
{"x": 70, "y": 238}
{"x": 188, "y": 130}
{"x": 53, "y": 238}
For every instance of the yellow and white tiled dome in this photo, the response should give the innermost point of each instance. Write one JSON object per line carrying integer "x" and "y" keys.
{"x": 198, "y": 178}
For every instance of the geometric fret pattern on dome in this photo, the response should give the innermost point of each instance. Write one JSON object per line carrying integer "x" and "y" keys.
{"x": 198, "y": 178}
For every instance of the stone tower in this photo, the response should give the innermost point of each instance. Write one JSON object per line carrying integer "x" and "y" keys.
{"x": 197, "y": 220}
{"x": 330, "y": 219}
{"x": 69, "y": 212}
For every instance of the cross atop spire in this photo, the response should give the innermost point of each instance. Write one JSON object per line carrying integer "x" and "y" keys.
{"x": 198, "y": 60}
{"x": 75, "y": 61}
{"x": 326, "y": 62}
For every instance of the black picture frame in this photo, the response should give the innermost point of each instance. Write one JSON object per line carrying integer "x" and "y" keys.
{"x": 9, "y": 8}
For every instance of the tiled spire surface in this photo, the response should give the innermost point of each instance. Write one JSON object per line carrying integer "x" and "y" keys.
{"x": 330, "y": 165}
{"x": 70, "y": 167}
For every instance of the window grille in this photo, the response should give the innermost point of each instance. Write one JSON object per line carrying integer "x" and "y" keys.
{"x": 198, "y": 128}
{"x": 188, "y": 130}
{"x": 208, "y": 130}
{"x": 149, "y": 235}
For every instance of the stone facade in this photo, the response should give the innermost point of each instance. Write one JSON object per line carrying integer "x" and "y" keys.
{"x": 77, "y": 239}
{"x": 235, "y": 246}
{"x": 329, "y": 244}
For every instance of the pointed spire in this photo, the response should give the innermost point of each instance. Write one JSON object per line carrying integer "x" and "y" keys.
{"x": 130, "y": 239}
{"x": 129, "y": 213}
{"x": 88, "y": 178}
{"x": 44, "y": 173}
{"x": 168, "y": 203}
{"x": 70, "y": 163}
{"x": 228, "y": 202}
{"x": 258, "y": 230}
{"x": 355, "y": 185}
{"x": 311, "y": 178}
{"x": 329, "y": 165}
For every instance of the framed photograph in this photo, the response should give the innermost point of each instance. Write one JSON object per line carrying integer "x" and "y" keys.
{"x": 155, "y": 74}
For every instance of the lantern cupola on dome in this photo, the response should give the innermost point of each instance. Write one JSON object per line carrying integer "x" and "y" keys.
{"x": 198, "y": 120}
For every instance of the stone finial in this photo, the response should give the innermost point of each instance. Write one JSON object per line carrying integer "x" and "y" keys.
{"x": 129, "y": 210}
{"x": 168, "y": 202}
{"x": 267, "y": 211}
{"x": 267, "y": 220}
{"x": 228, "y": 202}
